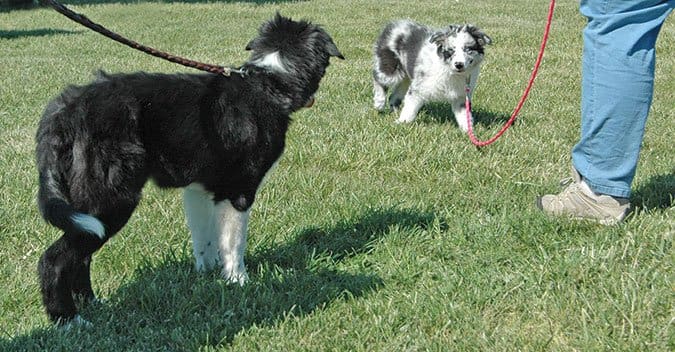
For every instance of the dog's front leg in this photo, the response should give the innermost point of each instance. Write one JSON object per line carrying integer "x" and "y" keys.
{"x": 232, "y": 227}
{"x": 459, "y": 110}
{"x": 200, "y": 214}
{"x": 411, "y": 106}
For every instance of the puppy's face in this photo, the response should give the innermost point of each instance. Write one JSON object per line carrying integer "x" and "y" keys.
{"x": 461, "y": 47}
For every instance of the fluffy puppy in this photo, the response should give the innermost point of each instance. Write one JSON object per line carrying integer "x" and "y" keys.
{"x": 420, "y": 64}
{"x": 215, "y": 136}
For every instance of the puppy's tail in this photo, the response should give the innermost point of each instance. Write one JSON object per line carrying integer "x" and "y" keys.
{"x": 58, "y": 212}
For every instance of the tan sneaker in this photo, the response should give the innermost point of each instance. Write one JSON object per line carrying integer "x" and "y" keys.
{"x": 578, "y": 201}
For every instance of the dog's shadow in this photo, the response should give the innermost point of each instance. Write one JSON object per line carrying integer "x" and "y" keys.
{"x": 442, "y": 113}
{"x": 657, "y": 193}
{"x": 175, "y": 303}
{"x": 43, "y": 32}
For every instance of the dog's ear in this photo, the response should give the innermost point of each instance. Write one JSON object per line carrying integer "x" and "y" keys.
{"x": 267, "y": 27}
{"x": 333, "y": 50}
{"x": 441, "y": 36}
{"x": 438, "y": 38}
{"x": 480, "y": 36}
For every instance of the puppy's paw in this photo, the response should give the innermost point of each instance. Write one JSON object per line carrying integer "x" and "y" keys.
{"x": 463, "y": 125}
{"x": 402, "y": 120}
{"x": 235, "y": 277}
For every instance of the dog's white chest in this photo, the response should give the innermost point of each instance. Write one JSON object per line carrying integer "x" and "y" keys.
{"x": 435, "y": 80}
{"x": 443, "y": 84}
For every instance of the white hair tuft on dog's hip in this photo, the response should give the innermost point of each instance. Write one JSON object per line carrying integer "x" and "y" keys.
{"x": 89, "y": 224}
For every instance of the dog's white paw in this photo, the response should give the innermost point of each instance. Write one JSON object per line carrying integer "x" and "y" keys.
{"x": 462, "y": 124}
{"x": 75, "y": 324}
{"x": 402, "y": 120}
{"x": 203, "y": 264}
{"x": 236, "y": 277}
{"x": 379, "y": 105}
{"x": 207, "y": 259}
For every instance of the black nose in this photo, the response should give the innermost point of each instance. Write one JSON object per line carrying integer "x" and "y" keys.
{"x": 459, "y": 65}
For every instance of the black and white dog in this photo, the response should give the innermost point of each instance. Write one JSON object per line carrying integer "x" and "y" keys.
{"x": 215, "y": 136}
{"x": 420, "y": 64}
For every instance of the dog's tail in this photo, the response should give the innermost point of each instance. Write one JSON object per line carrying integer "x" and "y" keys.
{"x": 58, "y": 212}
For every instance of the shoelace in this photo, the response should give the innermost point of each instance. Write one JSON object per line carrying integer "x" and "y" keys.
{"x": 566, "y": 181}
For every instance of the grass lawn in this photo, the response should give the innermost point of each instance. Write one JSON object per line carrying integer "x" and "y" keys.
{"x": 369, "y": 236}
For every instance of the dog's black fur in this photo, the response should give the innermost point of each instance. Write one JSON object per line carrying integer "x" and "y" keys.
{"x": 98, "y": 144}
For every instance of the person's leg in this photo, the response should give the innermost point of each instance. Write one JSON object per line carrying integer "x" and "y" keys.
{"x": 617, "y": 87}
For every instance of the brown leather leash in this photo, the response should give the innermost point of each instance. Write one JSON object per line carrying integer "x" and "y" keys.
{"x": 83, "y": 20}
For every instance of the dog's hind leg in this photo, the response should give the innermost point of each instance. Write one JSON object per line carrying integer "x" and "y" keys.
{"x": 379, "y": 95}
{"x": 59, "y": 268}
{"x": 200, "y": 214}
{"x": 81, "y": 286}
{"x": 398, "y": 93}
{"x": 64, "y": 268}
{"x": 232, "y": 226}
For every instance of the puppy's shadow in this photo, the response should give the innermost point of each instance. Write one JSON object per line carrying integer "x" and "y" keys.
{"x": 657, "y": 193}
{"x": 169, "y": 304}
{"x": 442, "y": 113}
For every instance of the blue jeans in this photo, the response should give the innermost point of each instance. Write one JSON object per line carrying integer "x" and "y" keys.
{"x": 617, "y": 88}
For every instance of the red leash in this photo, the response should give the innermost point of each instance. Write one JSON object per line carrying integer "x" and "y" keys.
{"x": 508, "y": 124}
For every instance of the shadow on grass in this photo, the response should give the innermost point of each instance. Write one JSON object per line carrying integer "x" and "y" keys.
{"x": 43, "y": 32}
{"x": 657, "y": 193}
{"x": 168, "y": 306}
{"x": 17, "y": 5}
{"x": 442, "y": 113}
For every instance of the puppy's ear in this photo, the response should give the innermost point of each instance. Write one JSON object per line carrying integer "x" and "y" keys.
{"x": 480, "y": 36}
{"x": 438, "y": 38}
{"x": 250, "y": 45}
{"x": 441, "y": 36}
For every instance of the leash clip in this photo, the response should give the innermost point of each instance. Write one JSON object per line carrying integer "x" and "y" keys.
{"x": 228, "y": 71}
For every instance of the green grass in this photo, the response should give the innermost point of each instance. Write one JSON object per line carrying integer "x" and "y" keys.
{"x": 369, "y": 236}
